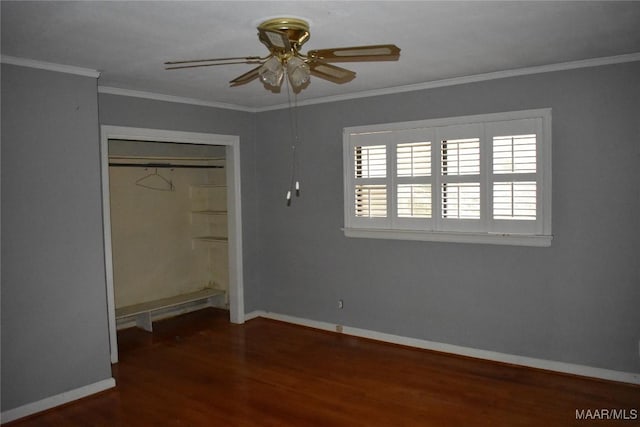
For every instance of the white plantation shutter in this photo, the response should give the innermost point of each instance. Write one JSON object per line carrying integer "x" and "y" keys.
{"x": 371, "y": 201}
{"x": 369, "y": 180}
{"x": 465, "y": 179}
{"x": 459, "y": 175}
{"x": 370, "y": 161}
{"x": 514, "y": 200}
{"x": 515, "y": 181}
{"x": 413, "y": 180}
{"x": 413, "y": 159}
{"x": 460, "y": 156}
{"x": 514, "y": 154}
{"x": 460, "y": 201}
{"x": 414, "y": 200}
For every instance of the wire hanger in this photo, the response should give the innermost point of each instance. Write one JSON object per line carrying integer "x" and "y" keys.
{"x": 155, "y": 181}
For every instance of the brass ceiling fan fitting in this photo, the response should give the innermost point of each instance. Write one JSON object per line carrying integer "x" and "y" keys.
{"x": 284, "y": 38}
{"x": 291, "y": 32}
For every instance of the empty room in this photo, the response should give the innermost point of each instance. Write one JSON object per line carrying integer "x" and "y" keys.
{"x": 320, "y": 213}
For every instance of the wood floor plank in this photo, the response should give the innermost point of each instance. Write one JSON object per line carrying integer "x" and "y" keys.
{"x": 200, "y": 370}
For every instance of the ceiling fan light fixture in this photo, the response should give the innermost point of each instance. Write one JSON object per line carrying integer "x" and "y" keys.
{"x": 271, "y": 72}
{"x": 284, "y": 37}
{"x": 298, "y": 71}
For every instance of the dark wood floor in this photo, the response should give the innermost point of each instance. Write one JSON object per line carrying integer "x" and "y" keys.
{"x": 200, "y": 370}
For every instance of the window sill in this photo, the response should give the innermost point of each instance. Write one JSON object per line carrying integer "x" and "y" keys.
{"x": 451, "y": 237}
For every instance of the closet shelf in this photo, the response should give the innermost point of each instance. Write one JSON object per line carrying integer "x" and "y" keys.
{"x": 209, "y": 212}
{"x": 144, "y": 312}
{"x": 211, "y": 239}
{"x": 202, "y": 242}
{"x": 146, "y": 307}
{"x": 209, "y": 186}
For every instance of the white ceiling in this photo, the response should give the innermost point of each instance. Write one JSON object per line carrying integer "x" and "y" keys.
{"x": 129, "y": 41}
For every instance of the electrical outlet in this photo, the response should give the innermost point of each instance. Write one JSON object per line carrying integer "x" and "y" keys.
{"x": 340, "y": 304}
{"x": 339, "y": 329}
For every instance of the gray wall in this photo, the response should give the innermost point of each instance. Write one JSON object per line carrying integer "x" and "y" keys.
{"x": 54, "y": 314}
{"x": 574, "y": 302}
{"x": 145, "y": 113}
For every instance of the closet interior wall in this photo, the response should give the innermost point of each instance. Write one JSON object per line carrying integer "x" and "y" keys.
{"x": 168, "y": 225}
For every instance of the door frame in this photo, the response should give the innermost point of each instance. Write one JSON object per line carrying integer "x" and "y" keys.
{"x": 232, "y": 144}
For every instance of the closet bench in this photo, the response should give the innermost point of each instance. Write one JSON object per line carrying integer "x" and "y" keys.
{"x": 143, "y": 312}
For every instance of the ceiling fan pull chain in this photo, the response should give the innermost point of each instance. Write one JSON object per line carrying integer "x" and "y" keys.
{"x": 293, "y": 118}
{"x": 296, "y": 142}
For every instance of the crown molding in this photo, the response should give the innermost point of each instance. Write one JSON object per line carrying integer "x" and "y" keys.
{"x": 562, "y": 66}
{"x": 50, "y": 66}
{"x": 170, "y": 98}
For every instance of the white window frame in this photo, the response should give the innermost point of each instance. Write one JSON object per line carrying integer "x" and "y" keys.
{"x": 483, "y": 230}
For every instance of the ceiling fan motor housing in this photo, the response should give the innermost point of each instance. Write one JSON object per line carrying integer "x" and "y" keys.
{"x": 295, "y": 30}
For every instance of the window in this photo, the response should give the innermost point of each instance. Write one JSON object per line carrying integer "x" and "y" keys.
{"x": 477, "y": 179}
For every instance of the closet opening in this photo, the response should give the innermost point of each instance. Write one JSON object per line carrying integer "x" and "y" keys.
{"x": 172, "y": 226}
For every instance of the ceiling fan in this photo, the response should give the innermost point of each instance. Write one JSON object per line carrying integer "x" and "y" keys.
{"x": 284, "y": 37}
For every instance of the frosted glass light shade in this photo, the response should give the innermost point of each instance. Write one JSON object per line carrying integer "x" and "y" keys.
{"x": 298, "y": 71}
{"x": 271, "y": 72}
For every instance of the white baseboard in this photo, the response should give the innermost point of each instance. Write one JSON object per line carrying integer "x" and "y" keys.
{"x": 254, "y": 314}
{"x": 549, "y": 365}
{"x": 57, "y": 400}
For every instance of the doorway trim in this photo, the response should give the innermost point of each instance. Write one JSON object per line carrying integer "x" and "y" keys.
{"x": 232, "y": 144}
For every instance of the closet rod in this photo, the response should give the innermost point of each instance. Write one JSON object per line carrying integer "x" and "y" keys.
{"x": 164, "y": 165}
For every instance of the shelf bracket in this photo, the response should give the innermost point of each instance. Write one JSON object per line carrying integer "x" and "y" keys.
{"x": 143, "y": 320}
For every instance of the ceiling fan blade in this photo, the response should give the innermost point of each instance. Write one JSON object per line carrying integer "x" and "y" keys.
{"x": 245, "y": 78}
{"x": 380, "y": 52}
{"x": 331, "y": 72}
{"x": 177, "y": 67}
{"x": 237, "y": 58}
